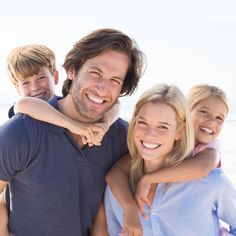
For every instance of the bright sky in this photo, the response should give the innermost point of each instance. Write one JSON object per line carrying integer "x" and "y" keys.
{"x": 185, "y": 42}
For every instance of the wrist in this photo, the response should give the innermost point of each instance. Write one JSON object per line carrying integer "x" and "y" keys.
{"x": 145, "y": 179}
{"x": 130, "y": 206}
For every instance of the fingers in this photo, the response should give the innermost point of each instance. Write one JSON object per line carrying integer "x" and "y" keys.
{"x": 141, "y": 204}
{"x": 131, "y": 232}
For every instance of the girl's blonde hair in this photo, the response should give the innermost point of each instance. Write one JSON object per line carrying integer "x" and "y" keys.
{"x": 173, "y": 97}
{"x": 201, "y": 92}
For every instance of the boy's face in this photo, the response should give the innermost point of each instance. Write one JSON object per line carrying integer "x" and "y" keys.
{"x": 40, "y": 85}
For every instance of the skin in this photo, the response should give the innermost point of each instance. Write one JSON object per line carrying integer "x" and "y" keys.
{"x": 208, "y": 118}
{"x": 199, "y": 166}
{"x": 96, "y": 87}
{"x": 154, "y": 134}
{"x": 40, "y": 85}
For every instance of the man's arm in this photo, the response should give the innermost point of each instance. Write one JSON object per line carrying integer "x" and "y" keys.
{"x": 3, "y": 211}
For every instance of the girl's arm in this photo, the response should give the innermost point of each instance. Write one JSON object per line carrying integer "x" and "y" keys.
{"x": 118, "y": 181}
{"x": 194, "y": 168}
{"x": 100, "y": 224}
{"x": 41, "y": 110}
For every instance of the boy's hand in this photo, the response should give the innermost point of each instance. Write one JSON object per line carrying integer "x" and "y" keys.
{"x": 91, "y": 134}
{"x": 141, "y": 196}
{"x": 131, "y": 225}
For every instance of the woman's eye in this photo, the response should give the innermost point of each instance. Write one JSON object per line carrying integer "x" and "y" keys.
{"x": 162, "y": 127}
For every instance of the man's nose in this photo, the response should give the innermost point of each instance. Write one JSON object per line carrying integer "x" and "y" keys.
{"x": 103, "y": 85}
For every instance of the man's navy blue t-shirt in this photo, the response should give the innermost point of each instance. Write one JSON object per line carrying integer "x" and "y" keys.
{"x": 55, "y": 186}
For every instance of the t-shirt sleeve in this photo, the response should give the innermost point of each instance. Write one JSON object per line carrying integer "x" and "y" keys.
{"x": 14, "y": 147}
{"x": 214, "y": 145}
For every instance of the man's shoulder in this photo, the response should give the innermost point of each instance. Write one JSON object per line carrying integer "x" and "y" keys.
{"x": 120, "y": 123}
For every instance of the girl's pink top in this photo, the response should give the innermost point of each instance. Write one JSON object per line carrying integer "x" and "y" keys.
{"x": 215, "y": 144}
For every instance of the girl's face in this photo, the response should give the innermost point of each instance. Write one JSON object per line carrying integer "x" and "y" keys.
{"x": 208, "y": 117}
{"x": 155, "y": 132}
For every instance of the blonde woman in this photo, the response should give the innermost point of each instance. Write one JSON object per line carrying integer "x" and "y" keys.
{"x": 160, "y": 135}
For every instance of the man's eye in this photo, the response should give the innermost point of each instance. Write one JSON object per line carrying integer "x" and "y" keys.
{"x": 95, "y": 73}
{"x": 116, "y": 81}
{"x": 141, "y": 122}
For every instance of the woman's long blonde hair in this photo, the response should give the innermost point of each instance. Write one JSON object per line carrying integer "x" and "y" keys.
{"x": 173, "y": 97}
{"x": 201, "y": 92}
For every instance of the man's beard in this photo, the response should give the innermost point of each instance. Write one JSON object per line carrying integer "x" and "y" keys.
{"x": 85, "y": 114}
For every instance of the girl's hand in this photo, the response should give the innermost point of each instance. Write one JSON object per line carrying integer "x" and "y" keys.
{"x": 131, "y": 225}
{"x": 141, "y": 195}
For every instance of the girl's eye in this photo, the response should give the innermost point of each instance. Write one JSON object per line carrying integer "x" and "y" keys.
{"x": 220, "y": 119}
{"x": 162, "y": 127}
{"x": 204, "y": 112}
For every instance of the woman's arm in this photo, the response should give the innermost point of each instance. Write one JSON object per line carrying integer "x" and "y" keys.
{"x": 100, "y": 224}
{"x": 117, "y": 179}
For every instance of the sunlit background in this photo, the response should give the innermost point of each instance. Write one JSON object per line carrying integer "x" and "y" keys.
{"x": 185, "y": 42}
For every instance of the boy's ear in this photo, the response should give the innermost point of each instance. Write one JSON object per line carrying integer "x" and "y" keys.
{"x": 71, "y": 73}
{"x": 56, "y": 77}
{"x": 17, "y": 89}
{"x": 180, "y": 130}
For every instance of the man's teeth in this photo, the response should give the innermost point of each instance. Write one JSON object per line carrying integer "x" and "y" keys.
{"x": 207, "y": 130}
{"x": 150, "y": 145}
{"x": 95, "y": 99}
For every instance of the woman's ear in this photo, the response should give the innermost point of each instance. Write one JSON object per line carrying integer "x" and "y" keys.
{"x": 180, "y": 130}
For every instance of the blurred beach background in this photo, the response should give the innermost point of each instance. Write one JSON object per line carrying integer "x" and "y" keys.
{"x": 185, "y": 43}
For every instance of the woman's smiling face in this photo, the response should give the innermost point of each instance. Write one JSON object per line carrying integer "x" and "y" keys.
{"x": 155, "y": 131}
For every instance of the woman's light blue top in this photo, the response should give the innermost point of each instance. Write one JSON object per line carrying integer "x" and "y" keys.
{"x": 191, "y": 208}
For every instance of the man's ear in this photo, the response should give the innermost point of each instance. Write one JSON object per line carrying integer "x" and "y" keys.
{"x": 56, "y": 77}
{"x": 180, "y": 130}
{"x": 71, "y": 73}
